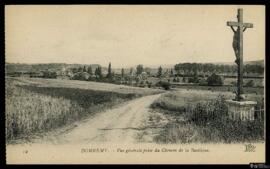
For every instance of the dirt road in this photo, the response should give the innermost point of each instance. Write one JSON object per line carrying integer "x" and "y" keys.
{"x": 122, "y": 124}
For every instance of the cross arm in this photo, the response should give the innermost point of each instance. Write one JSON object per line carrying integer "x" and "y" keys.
{"x": 247, "y": 25}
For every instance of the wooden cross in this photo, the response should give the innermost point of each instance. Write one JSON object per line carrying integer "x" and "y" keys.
{"x": 241, "y": 27}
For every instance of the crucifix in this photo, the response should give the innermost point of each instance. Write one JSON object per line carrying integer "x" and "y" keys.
{"x": 238, "y": 49}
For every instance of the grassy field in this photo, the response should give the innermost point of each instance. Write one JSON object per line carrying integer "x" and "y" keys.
{"x": 258, "y": 82}
{"x": 34, "y": 106}
{"x": 200, "y": 116}
{"x": 230, "y": 89}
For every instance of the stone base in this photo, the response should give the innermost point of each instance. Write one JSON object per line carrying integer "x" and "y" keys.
{"x": 243, "y": 110}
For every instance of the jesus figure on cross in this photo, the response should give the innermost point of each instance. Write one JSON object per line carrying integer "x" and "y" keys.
{"x": 235, "y": 43}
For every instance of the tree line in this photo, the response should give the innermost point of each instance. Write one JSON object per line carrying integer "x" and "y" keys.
{"x": 191, "y": 68}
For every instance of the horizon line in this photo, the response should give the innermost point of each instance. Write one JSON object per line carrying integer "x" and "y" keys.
{"x": 127, "y": 66}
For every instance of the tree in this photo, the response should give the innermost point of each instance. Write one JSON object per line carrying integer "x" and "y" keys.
{"x": 177, "y": 68}
{"x": 159, "y": 74}
{"x": 74, "y": 70}
{"x": 131, "y": 71}
{"x": 81, "y": 76}
{"x": 139, "y": 69}
{"x": 194, "y": 78}
{"x": 98, "y": 72}
{"x": 122, "y": 73}
{"x": 171, "y": 72}
{"x": 89, "y": 70}
{"x": 84, "y": 69}
{"x": 214, "y": 80}
{"x": 80, "y": 69}
{"x": 109, "y": 75}
{"x": 254, "y": 69}
{"x": 188, "y": 68}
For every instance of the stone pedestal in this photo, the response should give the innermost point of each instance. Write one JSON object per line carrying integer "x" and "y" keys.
{"x": 243, "y": 110}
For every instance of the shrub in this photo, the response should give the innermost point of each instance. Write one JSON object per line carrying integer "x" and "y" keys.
{"x": 214, "y": 80}
{"x": 164, "y": 85}
{"x": 49, "y": 75}
{"x": 203, "y": 112}
{"x": 81, "y": 76}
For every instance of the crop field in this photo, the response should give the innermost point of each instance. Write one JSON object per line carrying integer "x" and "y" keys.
{"x": 34, "y": 106}
{"x": 88, "y": 85}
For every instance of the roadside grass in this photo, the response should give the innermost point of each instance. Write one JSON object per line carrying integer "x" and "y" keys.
{"x": 32, "y": 109}
{"x": 197, "y": 117}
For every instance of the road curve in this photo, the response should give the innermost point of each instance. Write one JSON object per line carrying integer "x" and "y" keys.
{"x": 118, "y": 125}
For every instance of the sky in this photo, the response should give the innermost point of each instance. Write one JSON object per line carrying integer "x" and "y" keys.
{"x": 127, "y": 35}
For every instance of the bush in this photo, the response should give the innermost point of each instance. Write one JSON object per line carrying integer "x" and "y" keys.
{"x": 203, "y": 112}
{"x": 81, "y": 76}
{"x": 164, "y": 85}
{"x": 49, "y": 75}
{"x": 214, "y": 80}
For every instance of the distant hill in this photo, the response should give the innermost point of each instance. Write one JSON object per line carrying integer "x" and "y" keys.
{"x": 17, "y": 67}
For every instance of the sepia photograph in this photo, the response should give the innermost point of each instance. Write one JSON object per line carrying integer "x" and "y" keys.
{"x": 135, "y": 84}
